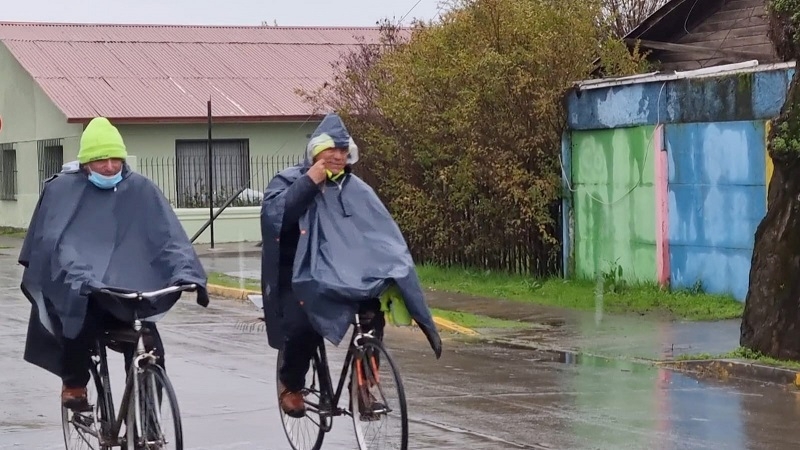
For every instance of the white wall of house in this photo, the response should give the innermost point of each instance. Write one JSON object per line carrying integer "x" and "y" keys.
{"x": 286, "y": 138}
{"x": 233, "y": 225}
{"x": 271, "y": 146}
{"x": 28, "y": 116}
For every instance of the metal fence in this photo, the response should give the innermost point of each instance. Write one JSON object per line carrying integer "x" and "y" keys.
{"x": 51, "y": 158}
{"x": 184, "y": 180}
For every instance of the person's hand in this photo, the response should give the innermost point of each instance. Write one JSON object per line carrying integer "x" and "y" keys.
{"x": 317, "y": 171}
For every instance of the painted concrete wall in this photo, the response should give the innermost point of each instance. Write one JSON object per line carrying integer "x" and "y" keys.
{"x": 748, "y": 96}
{"x": 710, "y": 171}
{"x": 282, "y": 138}
{"x": 613, "y": 201}
{"x": 717, "y": 181}
{"x": 266, "y": 141}
{"x": 28, "y": 115}
{"x": 233, "y": 225}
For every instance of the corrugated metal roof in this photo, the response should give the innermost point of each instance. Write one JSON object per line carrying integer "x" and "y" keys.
{"x": 141, "y": 72}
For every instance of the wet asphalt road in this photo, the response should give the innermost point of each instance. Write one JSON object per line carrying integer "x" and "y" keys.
{"x": 476, "y": 397}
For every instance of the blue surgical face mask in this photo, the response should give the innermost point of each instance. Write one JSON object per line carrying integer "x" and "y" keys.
{"x": 105, "y": 182}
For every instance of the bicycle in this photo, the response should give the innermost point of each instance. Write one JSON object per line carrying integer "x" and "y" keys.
{"x": 364, "y": 359}
{"x": 145, "y": 386}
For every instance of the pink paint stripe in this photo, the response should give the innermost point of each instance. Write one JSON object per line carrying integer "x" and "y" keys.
{"x": 662, "y": 208}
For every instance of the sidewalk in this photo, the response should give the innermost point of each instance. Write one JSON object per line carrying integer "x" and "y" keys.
{"x": 558, "y": 328}
{"x": 615, "y": 336}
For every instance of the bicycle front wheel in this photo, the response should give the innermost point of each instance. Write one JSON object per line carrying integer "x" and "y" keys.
{"x": 377, "y": 399}
{"x": 82, "y": 429}
{"x": 307, "y": 432}
{"x": 154, "y": 420}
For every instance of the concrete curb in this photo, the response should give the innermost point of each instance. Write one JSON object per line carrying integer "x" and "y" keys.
{"x": 241, "y": 295}
{"x": 229, "y": 292}
{"x": 736, "y": 368}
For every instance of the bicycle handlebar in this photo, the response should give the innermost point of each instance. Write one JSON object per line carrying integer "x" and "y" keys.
{"x": 147, "y": 295}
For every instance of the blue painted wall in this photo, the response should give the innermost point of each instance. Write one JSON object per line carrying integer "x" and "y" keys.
{"x": 714, "y": 131}
{"x": 717, "y": 178}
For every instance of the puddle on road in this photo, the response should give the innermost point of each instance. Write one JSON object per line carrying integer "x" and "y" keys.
{"x": 571, "y": 357}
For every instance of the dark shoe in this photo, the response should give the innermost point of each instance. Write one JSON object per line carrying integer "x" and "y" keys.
{"x": 292, "y": 403}
{"x": 369, "y": 407}
{"x": 75, "y": 398}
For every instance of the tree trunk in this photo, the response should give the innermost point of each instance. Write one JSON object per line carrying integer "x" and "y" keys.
{"x": 771, "y": 321}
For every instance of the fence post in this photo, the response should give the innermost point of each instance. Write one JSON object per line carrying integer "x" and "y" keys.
{"x": 210, "y": 177}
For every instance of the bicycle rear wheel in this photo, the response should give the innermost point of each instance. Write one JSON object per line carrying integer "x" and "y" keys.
{"x": 377, "y": 399}
{"x": 154, "y": 425}
{"x": 307, "y": 432}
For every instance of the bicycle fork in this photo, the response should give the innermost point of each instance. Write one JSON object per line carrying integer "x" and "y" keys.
{"x": 141, "y": 359}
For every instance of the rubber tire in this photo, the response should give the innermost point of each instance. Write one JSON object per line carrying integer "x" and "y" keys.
{"x": 385, "y": 358}
{"x": 314, "y": 368}
{"x": 161, "y": 378}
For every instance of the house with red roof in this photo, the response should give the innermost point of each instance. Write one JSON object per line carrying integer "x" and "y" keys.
{"x": 154, "y": 83}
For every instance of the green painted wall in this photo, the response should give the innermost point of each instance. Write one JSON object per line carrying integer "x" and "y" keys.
{"x": 614, "y": 202}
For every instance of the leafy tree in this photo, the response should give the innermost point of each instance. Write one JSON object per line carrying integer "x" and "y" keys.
{"x": 771, "y": 321}
{"x": 460, "y": 124}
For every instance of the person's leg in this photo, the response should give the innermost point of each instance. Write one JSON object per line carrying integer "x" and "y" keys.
{"x": 75, "y": 374}
{"x": 76, "y": 362}
{"x": 300, "y": 343}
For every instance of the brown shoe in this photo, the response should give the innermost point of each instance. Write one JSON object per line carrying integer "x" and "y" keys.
{"x": 74, "y": 398}
{"x": 292, "y": 403}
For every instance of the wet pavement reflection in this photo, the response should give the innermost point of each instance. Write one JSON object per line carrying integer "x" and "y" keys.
{"x": 477, "y": 396}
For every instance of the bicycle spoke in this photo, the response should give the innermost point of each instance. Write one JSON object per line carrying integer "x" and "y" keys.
{"x": 81, "y": 430}
{"x": 307, "y": 432}
{"x": 159, "y": 418}
{"x": 377, "y": 400}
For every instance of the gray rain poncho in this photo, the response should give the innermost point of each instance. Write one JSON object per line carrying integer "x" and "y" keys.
{"x": 350, "y": 249}
{"x": 82, "y": 238}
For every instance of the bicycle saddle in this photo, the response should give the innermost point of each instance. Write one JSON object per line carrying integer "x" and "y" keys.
{"x": 118, "y": 338}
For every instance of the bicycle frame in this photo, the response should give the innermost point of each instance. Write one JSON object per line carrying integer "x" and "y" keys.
{"x": 141, "y": 359}
{"x": 110, "y": 428}
{"x": 326, "y": 383}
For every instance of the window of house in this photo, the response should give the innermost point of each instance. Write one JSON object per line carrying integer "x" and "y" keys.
{"x": 51, "y": 158}
{"x": 8, "y": 172}
{"x": 230, "y": 170}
